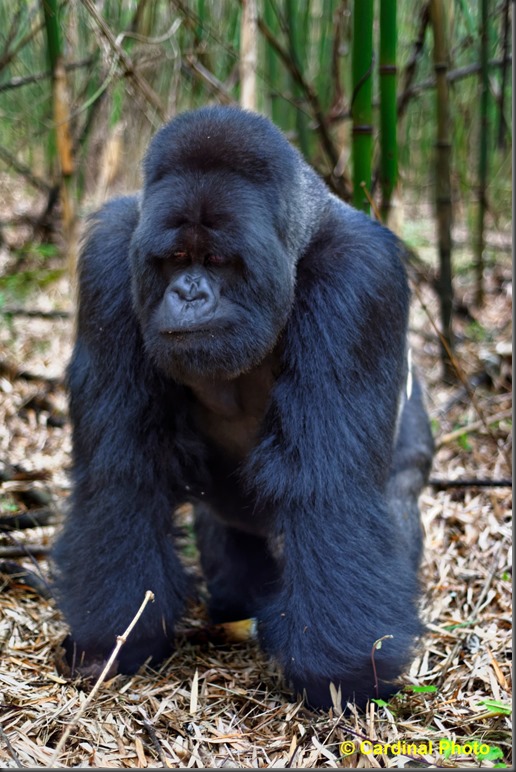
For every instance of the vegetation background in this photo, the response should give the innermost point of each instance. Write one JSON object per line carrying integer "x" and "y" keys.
{"x": 404, "y": 108}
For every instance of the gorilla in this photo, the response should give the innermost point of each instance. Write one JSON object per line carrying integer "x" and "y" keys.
{"x": 241, "y": 345}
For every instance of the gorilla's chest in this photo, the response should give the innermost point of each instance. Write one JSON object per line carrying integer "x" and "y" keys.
{"x": 229, "y": 413}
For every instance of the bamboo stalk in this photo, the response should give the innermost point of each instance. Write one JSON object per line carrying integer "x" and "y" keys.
{"x": 248, "y": 55}
{"x": 361, "y": 107}
{"x": 327, "y": 41}
{"x": 443, "y": 178}
{"x": 61, "y": 109}
{"x": 388, "y": 111}
{"x": 502, "y": 133}
{"x": 297, "y": 46}
{"x": 468, "y": 17}
{"x": 483, "y": 154}
{"x": 50, "y": 12}
{"x": 279, "y": 108}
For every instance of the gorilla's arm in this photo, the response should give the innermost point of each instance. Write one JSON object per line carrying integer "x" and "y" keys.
{"x": 322, "y": 466}
{"x": 117, "y": 541}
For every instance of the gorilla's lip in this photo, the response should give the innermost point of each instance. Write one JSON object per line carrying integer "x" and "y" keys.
{"x": 186, "y": 331}
{"x": 187, "y": 334}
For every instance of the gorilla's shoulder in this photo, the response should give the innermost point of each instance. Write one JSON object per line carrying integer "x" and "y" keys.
{"x": 115, "y": 220}
{"x": 107, "y": 237}
{"x": 352, "y": 241}
{"x": 103, "y": 270}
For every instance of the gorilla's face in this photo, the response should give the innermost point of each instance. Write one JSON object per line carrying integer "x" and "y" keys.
{"x": 212, "y": 281}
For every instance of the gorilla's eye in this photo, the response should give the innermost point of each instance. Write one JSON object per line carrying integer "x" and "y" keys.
{"x": 215, "y": 260}
{"x": 180, "y": 257}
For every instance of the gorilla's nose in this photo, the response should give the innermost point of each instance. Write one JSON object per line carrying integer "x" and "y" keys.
{"x": 191, "y": 289}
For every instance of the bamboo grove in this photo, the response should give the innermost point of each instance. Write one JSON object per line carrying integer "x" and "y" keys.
{"x": 390, "y": 100}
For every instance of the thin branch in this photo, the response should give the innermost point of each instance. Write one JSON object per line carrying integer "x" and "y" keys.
{"x": 454, "y": 75}
{"x": 155, "y": 741}
{"x": 9, "y": 55}
{"x": 338, "y": 91}
{"x": 23, "y": 551}
{"x": 462, "y": 377}
{"x": 208, "y": 78}
{"x": 502, "y": 134}
{"x": 310, "y": 94}
{"x": 417, "y": 51}
{"x": 20, "y": 575}
{"x": 127, "y": 63}
{"x": 27, "y": 79}
{"x": 474, "y": 482}
{"x": 11, "y": 33}
{"x": 13, "y": 372}
{"x": 420, "y": 761}
{"x": 193, "y": 22}
{"x": 13, "y": 162}
{"x": 10, "y": 748}
{"x": 121, "y": 639}
{"x": 377, "y": 645}
{"x": 472, "y": 617}
{"x": 17, "y": 473}
{"x": 35, "y": 313}
{"x": 473, "y": 427}
{"x": 331, "y": 150}
{"x": 32, "y": 518}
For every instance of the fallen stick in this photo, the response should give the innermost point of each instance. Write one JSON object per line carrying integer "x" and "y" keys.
{"x": 121, "y": 639}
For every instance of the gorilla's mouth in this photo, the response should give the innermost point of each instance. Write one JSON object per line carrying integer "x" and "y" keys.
{"x": 187, "y": 333}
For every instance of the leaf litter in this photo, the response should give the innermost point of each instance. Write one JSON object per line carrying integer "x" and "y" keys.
{"x": 222, "y": 704}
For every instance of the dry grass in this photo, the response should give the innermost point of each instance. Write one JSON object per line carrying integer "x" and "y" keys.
{"x": 215, "y": 705}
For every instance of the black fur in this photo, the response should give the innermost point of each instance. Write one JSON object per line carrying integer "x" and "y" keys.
{"x": 284, "y": 412}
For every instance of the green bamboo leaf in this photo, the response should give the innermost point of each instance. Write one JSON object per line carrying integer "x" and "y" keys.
{"x": 496, "y": 707}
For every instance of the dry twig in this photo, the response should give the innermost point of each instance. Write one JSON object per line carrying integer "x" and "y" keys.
{"x": 121, "y": 639}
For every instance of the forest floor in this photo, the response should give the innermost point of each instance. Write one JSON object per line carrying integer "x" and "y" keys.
{"x": 220, "y": 704}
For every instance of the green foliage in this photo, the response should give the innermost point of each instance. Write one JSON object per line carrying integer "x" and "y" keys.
{"x": 318, "y": 37}
{"x": 188, "y": 542}
{"x": 492, "y": 754}
{"x": 18, "y": 286}
{"x": 496, "y": 707}
{"x": 430, "y": 689}
{"x": 435, "y": 426}
{"x": 464, "y": 442}
{"x": 458, "y": 626}
{"x": 476, "y": 332}
{"x": 31, "y": 250}
{"x": 416, "y": 137}
{"x": 8, "y": 506}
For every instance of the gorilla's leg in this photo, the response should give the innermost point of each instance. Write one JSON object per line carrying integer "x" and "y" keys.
{"x": 239, "y": 568}
{"x": 410, "y": 469}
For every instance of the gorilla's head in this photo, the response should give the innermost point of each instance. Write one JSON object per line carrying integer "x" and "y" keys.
{"x": 223, "y": 219}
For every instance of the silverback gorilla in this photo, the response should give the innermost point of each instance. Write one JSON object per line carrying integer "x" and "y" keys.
{"x": 241, "y": 344}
